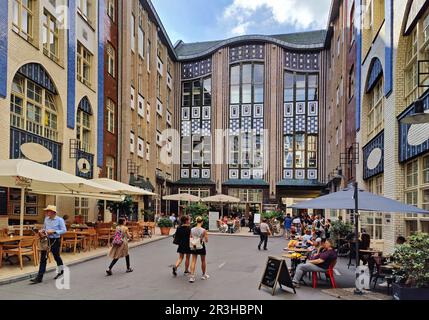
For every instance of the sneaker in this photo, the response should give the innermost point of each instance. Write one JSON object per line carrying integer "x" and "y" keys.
{"x": 109, "y": 272}
{"x": 259, "y": 248}
{"x": 59, "y": 275}
{"x": 36, "y": 280}
{"x": 192, "y": 279}
{"x": 205, "y": 277}
{"x": 129, "y": 270}
{"x": 174, "y": 271}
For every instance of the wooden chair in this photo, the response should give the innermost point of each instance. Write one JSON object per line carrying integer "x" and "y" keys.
{"x": 329, "y": 274}
{"x": 105, "y": 235}
{"x": 3, "y": 233}
{"x": 152, "y": 227}
{"x": 25, "y": 247}
{"x": 92, "y": 239}
{"x": 71, "y": 239}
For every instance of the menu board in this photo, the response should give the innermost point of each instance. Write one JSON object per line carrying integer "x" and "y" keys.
{"x": 213, "y": 219}
{"x": 276, "y": 271}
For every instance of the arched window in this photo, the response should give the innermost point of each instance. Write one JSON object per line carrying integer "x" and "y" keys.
{"x": 33, "y": 108}
{"x": 83, "y": 124}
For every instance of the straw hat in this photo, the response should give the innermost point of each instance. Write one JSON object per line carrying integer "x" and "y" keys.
{"x": 51, "y": 208}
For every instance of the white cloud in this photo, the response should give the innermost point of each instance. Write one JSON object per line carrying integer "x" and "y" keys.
{"x": 302, "y": 14}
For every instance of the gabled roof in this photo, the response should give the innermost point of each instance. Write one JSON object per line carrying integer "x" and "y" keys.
{"x": 311, "y": 40}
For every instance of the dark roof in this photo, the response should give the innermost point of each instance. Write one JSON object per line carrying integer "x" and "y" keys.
{"x": 300, "y": 183}
{"x": 246, "y": 182}
{"x": 298, "y": 41}
{"x": 202, "y": 182}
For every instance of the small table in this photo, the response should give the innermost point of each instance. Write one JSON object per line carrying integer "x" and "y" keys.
{"x": 369, "y": 251}
{"x": 84, "y": 235}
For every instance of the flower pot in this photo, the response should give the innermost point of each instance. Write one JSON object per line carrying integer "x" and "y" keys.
{"x": 407, "y": 293}
{"x": 165, "y": 231}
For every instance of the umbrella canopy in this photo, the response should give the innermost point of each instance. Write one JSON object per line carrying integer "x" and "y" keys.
{"x": 344, "y": 200}
{"x": 42, "y": 178}
{"x": 221, "y": 198}
{"x": 182, "y": 197}
{"x": 122, "y": 188}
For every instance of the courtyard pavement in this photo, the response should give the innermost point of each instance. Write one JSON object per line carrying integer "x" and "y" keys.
{"x": 234, "y": 264}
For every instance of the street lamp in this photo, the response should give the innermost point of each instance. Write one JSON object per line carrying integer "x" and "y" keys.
{"x": 419, "y": 116}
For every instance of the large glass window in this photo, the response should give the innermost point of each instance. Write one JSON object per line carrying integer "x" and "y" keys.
{"x": 50, "y": 36}
{"x": 300, "y": 151}
{"x": 82, "y": 208}
{"x": 376, "y": 109}
{"x": 83, "y": 129}
{"x": 84, "y": 61}
{"x": 33, "y": 108}
{"x": 22, "y": 18}
{"x": 289, "y": 154}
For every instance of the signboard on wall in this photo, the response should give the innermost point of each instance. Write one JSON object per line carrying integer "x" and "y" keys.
{"x": 213, "y": 218}
{"x": 257, "y": 218}
{"x": 3, "y": 201}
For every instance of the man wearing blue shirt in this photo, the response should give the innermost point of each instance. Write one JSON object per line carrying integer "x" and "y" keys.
{"x": 54, "y": 227}
{"x": 288, "y": 226}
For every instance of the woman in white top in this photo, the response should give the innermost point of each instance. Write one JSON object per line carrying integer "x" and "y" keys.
{"x": 198, "y": 239}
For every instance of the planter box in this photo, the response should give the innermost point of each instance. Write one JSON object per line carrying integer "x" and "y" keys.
{"x": 405, "y": 293}
{"x": 165, "y": 231}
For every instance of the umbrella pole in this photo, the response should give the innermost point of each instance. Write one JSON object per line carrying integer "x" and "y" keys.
{"x": 21, "y": 214}
{"x": 356, "y": 197}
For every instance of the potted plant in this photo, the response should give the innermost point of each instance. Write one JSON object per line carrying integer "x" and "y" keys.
{"x": 412, "y": 275}
{"x": 165, "y": 225}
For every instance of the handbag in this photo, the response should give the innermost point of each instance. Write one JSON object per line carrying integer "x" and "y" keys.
{"x": 44, "y": 244}
{"x": 175, "y": 239}
{"x": 118, "y": 239}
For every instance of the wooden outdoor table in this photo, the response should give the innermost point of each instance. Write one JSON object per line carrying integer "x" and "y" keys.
{"x": 85, "y": 235}
{"x": 371, "y": 251}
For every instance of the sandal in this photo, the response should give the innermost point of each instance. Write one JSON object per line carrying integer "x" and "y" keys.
{"x": 129, "y": 270}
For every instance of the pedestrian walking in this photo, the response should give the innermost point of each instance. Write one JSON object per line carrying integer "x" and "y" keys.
{"x": 173, "y": 219}
{"x": 251, "y": 223}
{"x": 288, "y": 226}
{"x": 197, "y": 243}
{"x": 50, "y": 236}
{"x": 264, "y": 234}
{"x": 181, "y": 238}
{"x": 120, "y": 246}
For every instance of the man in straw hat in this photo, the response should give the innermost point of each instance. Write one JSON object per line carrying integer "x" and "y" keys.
{"x": 53, "y": 228}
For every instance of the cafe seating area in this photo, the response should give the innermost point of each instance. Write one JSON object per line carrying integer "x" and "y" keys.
{"x": 80, "y": 240}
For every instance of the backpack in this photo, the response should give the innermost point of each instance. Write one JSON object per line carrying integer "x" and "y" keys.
{"x": 118, "y": 239}
{"x": 195, "y": 243}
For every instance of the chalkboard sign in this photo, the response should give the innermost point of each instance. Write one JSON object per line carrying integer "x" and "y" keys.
{"x": 276, "y": 272}
{"x": 3, "y": 201}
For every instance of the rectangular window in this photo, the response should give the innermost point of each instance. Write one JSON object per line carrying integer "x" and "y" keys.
{"x": 110, "y": 114}
{"x": 313, "y": 87}
{"x": 111, "y": 59}
{"x": 111, "y": 9}
{"x": 312, "y": 151}
{"x": 288, "y": 149}
{"x": 207, "y": 95}
{"x": 132, "y": 142}
{"x": 141, "y": 42}
{"x": 84, "y": 61}
{"x": 110, "y": 168}
{"x": 82, "y": 208}
{"x": 133, "y": 33}
{"x": 148, "y": 151}
{"x": 148, "y": 53}
{"x": 22, "y": 18}
{"x": 300, "y": 82}
{"x": 300, "y": 151}
{"x": 412, "y": 174}
{"x": 289, "y": 87}
{"x": 133, "y": 98}
{"x": 158, "y": 86}
{"x": 50, "y": 36}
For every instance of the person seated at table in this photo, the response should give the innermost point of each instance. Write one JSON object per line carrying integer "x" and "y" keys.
{"x": 364, "y": 244}
{"x": 222, "y": 226}
{"x": 318, "y": 263}
{"x": 316, "y": 247}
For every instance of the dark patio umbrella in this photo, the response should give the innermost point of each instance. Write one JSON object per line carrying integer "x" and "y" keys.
{"x": 345, "y": 200}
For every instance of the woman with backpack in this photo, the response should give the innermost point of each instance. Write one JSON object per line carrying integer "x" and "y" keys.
{"x": 120, "y": 246}
{"x": 181, "y": 238}
{"x": 199, "y": 237}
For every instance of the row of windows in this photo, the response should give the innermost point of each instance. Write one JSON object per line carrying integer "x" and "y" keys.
{"x": 300, "y": 151}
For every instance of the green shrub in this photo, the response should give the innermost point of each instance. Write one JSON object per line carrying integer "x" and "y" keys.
{"x": 413, "y": 259}
{"x": 198, "y": 210}
{"x": 165, "y": 223}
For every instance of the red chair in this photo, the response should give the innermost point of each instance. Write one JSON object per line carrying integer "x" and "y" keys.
{"x": 329, "y": 273}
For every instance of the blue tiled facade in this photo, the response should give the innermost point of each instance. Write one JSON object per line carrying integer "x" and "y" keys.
{"x": 388, "y": 68}
{"x": 406, "y": 151}
{"x": 19, "y": 137}
{"x": 100, "y": 132}
{"x": 377, "y": 142}
{"x": 71, "y": 65}
{"x": 90, "y": 157}
{"x": 3, "y": 49}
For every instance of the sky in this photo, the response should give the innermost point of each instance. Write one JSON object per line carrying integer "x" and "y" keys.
{"x": 205, "y": 20}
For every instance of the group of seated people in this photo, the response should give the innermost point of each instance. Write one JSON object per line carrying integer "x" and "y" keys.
{"x": 229, "y": 224}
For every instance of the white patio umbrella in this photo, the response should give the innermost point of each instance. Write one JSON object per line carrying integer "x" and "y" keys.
{"x": 37, "y": 178}
{"x": 221, "y": 198}
{"x": 122, "y": 189}
{"x": 186, "y": 197}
